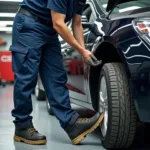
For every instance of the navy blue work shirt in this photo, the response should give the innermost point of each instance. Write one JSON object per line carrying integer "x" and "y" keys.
{"x": 41, "y": 8}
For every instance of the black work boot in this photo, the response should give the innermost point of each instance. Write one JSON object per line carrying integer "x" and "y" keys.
{"x": 29, "y": 136}
{"x": 82, "y": 127}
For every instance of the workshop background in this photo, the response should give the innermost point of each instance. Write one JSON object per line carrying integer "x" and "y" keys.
{"x": 45, "y": 123}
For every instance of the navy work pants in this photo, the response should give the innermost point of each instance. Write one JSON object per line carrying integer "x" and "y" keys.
{"x": 36, "y": 48}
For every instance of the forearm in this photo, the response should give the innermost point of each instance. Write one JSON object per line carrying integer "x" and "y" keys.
{"x": 59, "y": 25}
{"x": 66, "y": 34}
{"x": 79, "y": 34}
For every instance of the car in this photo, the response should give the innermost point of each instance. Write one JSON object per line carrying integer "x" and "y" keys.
{"x": 117, "y": 32}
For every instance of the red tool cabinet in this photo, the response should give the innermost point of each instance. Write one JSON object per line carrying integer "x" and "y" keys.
{"x": 6, "y": 72}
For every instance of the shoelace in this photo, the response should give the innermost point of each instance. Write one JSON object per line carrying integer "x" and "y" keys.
{"x": 83, "y": 120}
{"x": 32, "y": 131}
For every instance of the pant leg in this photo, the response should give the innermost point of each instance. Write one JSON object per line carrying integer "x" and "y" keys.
{"x": 26, "y": 54}
{"x": 54, "y": 80}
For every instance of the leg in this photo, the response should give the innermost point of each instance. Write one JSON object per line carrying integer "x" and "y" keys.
{"x": 26, "y": 54}
{"x": 26, "y": 61}
{"x": 54, "y": 79}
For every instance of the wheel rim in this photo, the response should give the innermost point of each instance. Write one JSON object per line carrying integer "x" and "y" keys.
{"x": 103, "y": 103}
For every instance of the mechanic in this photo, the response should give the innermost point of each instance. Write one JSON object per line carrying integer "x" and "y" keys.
{"x": 36, "y": 48}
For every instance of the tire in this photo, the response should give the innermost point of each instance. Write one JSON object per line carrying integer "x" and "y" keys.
{"x": 40, "y": 95}
{"x": 122, "y": 117}
{"x": 48, "y": 108}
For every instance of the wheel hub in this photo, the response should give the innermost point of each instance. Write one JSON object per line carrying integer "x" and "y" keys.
{"x": 103, "y": 103}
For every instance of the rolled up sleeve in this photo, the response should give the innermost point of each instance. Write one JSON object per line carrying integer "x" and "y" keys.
{"x": 59, "y": 6}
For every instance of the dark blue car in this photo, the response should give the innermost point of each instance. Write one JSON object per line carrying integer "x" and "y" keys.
{"x": 118, "y": 33}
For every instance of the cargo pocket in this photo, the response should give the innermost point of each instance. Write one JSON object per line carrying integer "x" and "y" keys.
{"x": 18, "y": 57}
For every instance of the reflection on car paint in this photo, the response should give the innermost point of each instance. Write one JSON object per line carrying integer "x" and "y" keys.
{"x": 73, "y": 89}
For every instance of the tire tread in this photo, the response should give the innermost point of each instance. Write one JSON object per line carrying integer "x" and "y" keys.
{"x": 124, "y": 117}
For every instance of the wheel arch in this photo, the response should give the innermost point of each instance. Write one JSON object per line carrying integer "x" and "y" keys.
{"x": 107, "y": 51}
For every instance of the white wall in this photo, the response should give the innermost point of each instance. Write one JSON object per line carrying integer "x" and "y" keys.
{"x": 6, "y": 38}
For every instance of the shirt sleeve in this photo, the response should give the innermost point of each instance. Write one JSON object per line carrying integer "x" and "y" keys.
{"x": 59, "y": 6}
{"x": 80, "y": 7}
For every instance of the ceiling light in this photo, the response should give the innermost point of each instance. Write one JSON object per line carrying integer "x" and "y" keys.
{"x": 5, "y": 23}
{"x": 11, "y": 0}
{"x": 7, "y": 14}
{"x": 9, "y": 29}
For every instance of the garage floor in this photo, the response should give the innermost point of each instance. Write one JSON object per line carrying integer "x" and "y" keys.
{"x": 48, "y": 125}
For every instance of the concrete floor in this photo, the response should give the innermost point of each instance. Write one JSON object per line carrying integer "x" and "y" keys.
{"x": 48, "y": 125}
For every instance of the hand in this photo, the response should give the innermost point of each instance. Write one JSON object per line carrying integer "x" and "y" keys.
{"x": 90, "y": 59}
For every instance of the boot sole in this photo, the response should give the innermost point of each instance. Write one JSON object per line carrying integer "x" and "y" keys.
{"x": 78, "y": 139}
{"x": 20, "y": 139}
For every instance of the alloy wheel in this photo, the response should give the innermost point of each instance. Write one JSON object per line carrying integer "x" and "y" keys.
{"x": 103, "y": 105}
